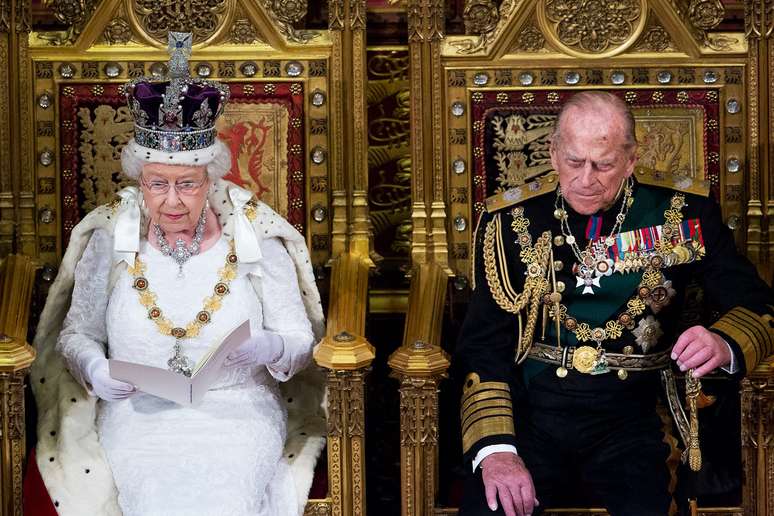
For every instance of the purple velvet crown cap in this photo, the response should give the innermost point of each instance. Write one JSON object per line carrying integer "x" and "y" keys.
{"x": 146, "y": 99}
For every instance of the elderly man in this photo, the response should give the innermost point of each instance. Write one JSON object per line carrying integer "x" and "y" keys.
{"x": 579, "y": 284}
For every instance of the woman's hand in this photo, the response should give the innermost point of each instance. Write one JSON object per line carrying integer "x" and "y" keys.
{"x": 105, "y": 386}
{"x": 261, "y": 349}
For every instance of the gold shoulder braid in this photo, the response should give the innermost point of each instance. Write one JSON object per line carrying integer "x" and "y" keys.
{"x": 180, "y": 363}
{"x": 536, "y": 260}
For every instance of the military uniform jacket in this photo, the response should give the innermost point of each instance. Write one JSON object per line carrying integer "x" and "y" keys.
{"x": 672, "y": 234}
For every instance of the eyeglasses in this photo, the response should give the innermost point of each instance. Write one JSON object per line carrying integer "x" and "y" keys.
{"x": 187, "y": 187}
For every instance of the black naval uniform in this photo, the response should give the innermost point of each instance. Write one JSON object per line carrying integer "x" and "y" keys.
{"x": 597, "y": 435}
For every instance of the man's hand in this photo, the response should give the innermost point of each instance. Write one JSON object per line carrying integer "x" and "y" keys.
{"x": 701, "y": 350}
{"x": 505, "y": 476}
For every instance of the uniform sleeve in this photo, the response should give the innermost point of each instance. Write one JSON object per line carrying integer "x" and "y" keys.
{"x": 484, "y": 358}
{"x": 283, "y": 310}
{"x": 735, "y": 290}
{"x": 84, "y": 332}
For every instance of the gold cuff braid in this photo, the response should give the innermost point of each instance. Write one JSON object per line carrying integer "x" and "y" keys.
{"x": 486, "y": 409}
{"x": 754, "y": 333}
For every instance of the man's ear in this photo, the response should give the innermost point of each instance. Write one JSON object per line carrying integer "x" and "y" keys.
{"x": 554, "y": 153}
{"x": 631, "y": 162}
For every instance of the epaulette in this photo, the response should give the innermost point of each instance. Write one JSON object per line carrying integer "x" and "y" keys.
{"x": 685, "y": 184}
{"x": 515, "y": 195}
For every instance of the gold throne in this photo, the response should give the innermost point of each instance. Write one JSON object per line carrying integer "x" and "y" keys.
{"x": 483, "y": 105}
{"x": 284, "y": 126}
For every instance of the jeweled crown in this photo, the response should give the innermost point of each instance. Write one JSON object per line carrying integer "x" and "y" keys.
{"x": 176, "y": 112}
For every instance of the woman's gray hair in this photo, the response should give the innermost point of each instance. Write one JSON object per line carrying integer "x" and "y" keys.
{"x": 216, "y": 159}
{"x": 589, "y": 100}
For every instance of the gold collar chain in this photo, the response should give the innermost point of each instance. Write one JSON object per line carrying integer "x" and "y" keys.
{"x": 179, "y": 362}
{"x": 653, "y": 288}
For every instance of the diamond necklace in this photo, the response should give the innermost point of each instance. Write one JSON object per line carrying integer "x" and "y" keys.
{"x": 181, "y": 253}
{"x": 593, "y": 262}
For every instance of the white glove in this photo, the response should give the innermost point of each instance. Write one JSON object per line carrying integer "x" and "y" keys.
{"x": 103, "y": 385}
{"x": 261, "y": 349}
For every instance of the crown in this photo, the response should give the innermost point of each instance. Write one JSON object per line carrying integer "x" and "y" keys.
{"x": 176, "y": 112}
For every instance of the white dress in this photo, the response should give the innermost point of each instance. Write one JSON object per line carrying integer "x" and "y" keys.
{"x": 223, "y": 456}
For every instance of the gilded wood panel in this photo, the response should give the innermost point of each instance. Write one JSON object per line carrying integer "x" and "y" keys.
{"x": 702, "y": 110}
{"x": 280, "y": 144}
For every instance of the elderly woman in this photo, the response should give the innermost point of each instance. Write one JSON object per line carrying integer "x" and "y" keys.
{"x": 156, "y": 279}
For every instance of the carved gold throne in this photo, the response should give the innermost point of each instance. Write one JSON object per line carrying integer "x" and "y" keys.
{"x": 483, "y": 105}
{"x": 285, "y": 128}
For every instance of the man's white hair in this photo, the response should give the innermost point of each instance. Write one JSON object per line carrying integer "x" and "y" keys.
{"x": 216, "y": 158}
{"x": 599, "y": 100}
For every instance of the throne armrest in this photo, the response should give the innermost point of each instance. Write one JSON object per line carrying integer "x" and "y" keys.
{"x": 17, "y": 276}
{"x": 419, "y": 365}
{"x": 347, "y": 356}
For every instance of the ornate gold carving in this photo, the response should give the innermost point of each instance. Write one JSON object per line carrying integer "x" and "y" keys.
{"x": 480, "y": 16}
{"x": 758, "y": 19}
{"x": 758, "y": 25}
{"x": 336, "y": 14}
{"x": 25, "y": 134}
{"x": 12, "y": 385}
{"x": 357, "y": 14}
{"x": 5, "y": 17}
{"x": 287, "y": 13}
{"x": 118, "y": 32}
{"x": 655, "y": 39}
{"x": 23, "y": 24}
{"x": 720, "y": 42}
{"x": 5, "y": 141}
{"x": 345, "y": 440}
{"x": 318, "y": 508}
{"x": 706, "y": 14}
{"x": 75, "y": 14}
{"x": 243, "y": 32}
{"x": 200, "y": 17}
{"x": 592, "y": 26}
{"x": 757, "y": 434}
{"x": 418, "y": 411}
{"x": 530, "y": 39}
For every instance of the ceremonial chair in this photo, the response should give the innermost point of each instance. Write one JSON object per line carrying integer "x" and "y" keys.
{"x": 277, "y": 126}
{"x": 17, "y": 277}
{"x": 484, "y": 111}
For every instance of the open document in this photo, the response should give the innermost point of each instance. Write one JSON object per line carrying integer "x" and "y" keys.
{"x": 177, "y": 387}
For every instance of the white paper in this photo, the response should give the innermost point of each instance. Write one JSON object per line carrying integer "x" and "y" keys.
{"x": 177, "y": 387}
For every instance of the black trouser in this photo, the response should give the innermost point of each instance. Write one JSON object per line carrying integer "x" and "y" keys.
{"x": 588, "y": 449}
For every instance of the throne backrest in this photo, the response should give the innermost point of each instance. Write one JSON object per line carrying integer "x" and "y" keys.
{"x": 275, "y": 125}
{"x": 500, "y": 137}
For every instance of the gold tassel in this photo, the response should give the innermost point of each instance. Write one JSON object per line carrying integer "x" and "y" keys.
{"x": 692, "y": 391}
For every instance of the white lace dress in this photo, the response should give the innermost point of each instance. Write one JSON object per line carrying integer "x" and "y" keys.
{"x": 224, "y": 456}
